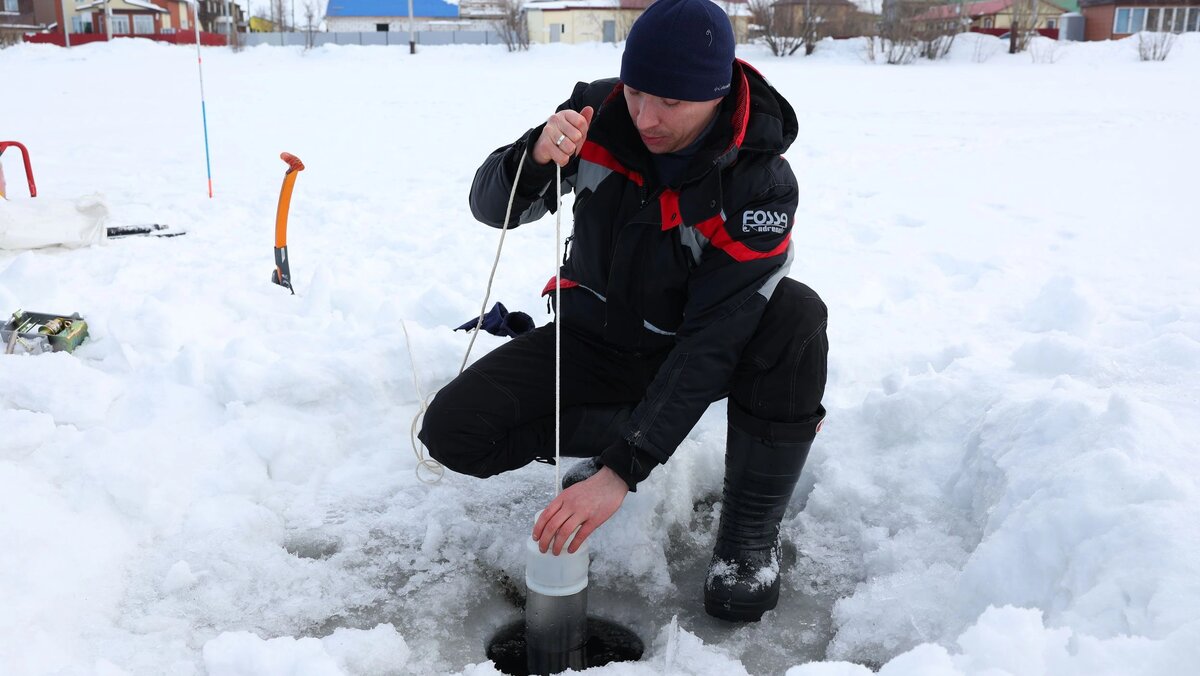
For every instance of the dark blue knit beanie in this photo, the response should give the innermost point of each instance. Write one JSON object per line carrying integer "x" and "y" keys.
{"x": 680, "y": 49}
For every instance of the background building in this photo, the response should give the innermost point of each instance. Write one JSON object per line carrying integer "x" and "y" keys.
{"x": 221, "y": 16}
{"x": 1108, "y": 19}
{"x": 364, "y": 16}
{"x": 129, "y": 17}
{"x": 995, "y": 16}
{"x": 17, "y": 18}
{"x": 577, "y": 21}
{"x": 834, "y": 18}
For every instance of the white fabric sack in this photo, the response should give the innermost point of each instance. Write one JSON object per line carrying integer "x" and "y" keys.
{"x": 39, "y": 222}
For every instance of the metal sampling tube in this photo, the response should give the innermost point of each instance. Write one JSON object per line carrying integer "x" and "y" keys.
{"x": 556, "y": 609}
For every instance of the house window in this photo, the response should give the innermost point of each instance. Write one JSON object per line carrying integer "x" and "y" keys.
{"x": 11, "y": 6}
{"x": 1050, "y": 23}
{"x": 1153, "y": 14}
{"x": 1177, "y": 23}
{"x": 1138, "y": 20}
{"x": 381, "y": 28}
{"x": 987, "y": 22}
{"x": 1122, "y": 24}
{"x": 120, "y": 24}
{"x": 143, "y": 24}
{"x": 1193, "y": 22}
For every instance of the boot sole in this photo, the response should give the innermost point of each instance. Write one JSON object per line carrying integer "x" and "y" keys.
{"x": 734, "y": 611}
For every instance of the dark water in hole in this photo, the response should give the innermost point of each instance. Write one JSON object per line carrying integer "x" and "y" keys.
{"x": 607, "y": 642}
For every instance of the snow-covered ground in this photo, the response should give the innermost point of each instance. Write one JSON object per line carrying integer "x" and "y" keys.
{"x": 221, "y": 480}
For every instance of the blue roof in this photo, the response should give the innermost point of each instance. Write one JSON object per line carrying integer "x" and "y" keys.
{"x": 424, "y": 8}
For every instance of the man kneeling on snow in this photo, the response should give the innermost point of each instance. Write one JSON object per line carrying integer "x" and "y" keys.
{"x": 674, "y": 295}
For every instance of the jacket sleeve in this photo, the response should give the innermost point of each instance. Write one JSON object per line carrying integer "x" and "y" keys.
{"x": 738, "y": 271}
{"x": 535, "y": 192}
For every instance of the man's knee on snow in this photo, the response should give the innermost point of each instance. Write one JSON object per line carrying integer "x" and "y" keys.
{"x": 444, "y": 433}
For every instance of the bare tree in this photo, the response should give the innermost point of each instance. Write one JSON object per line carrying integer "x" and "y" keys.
{"x": 811, "y": 24}
{"x": 235, "y": 38}
{"x": 310, "y": 24}
{"x": 625, "y": 19}
{"x": 1026, "y": 14}
{"x": 279, "y": 14}
{"x": 934, "y": 42}
{"x": 1155, "y": 46}
{"x": 777, "y": 26}
{"x": 908, "y": 31}
{"x": 897, "y": 41}
{"x": 1043, "y": 50}
{"x": 985, "y": 48}
{"x": 621, "y": 19}
{"x": 512, "y": 25}
{"x": 624, "y": 23}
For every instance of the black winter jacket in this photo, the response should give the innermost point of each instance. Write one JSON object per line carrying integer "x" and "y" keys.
{"x": 685, "y": 269}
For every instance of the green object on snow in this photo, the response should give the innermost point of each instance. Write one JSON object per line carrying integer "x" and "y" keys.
{"x": 38, "y": 332}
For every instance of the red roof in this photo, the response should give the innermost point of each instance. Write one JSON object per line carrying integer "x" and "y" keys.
{"x": 986, "y": 8}
{"x": 970, "y": 9}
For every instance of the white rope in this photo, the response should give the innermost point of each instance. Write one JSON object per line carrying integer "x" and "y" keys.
{"x": 418, "y": 448}
{"x": 434, "y": 467}
{"x": 557, "y": 330}
{"x": 512, "y": 195}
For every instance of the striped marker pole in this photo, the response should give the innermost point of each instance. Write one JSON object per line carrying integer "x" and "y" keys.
{"x": 203, "y": 108}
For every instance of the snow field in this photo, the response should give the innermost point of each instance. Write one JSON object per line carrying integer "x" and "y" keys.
{"x": 220, "y": 480}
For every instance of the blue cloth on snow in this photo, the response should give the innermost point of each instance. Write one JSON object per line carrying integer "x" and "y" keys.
{"x": 500, "y": 322}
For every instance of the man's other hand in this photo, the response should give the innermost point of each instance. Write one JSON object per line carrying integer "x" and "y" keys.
{"x": 585, "y": 505}
{"x": 562, "y": 137}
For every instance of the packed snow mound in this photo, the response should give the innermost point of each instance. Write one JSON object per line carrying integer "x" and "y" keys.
{"x": 220, "y": 480}
{"x": 41, "y": 222}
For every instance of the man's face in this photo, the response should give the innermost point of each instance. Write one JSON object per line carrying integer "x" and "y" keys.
{"x": 668, "y": 125}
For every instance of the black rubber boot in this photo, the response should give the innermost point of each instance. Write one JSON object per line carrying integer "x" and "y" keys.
{"x": 762, "y": 465}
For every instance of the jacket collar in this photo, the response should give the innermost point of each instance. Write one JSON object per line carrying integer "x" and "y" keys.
{"x": 754, "y": 117}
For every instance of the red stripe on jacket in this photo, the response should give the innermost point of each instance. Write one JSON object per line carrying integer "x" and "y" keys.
{"x": 668, "y": 203}
{"x": 714, "y": 230}
{"x": 741, "y": 114}
{"x": 598, "y": 154}
{"x": 549, "y": 288}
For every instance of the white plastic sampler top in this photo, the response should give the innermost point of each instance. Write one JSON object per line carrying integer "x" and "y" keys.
{"x": 551, "y": 575}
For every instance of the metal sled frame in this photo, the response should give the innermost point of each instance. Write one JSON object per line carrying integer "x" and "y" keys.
{"x": 4, "y": 145}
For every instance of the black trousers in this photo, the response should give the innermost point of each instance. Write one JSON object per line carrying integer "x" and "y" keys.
{"x": 498, "y": 415}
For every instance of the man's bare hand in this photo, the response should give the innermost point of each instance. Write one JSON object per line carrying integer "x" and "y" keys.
{"x": 586, "y": 505}
{"x": 562, "y": 137}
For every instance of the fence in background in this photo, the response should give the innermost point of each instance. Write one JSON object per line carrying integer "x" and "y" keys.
{"x": 397, "y": 38}
{"x": 1051, "y": 33}
{"x": 180, "y": 38}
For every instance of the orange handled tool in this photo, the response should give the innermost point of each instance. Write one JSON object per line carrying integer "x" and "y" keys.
{"x": 283, "y": 272}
